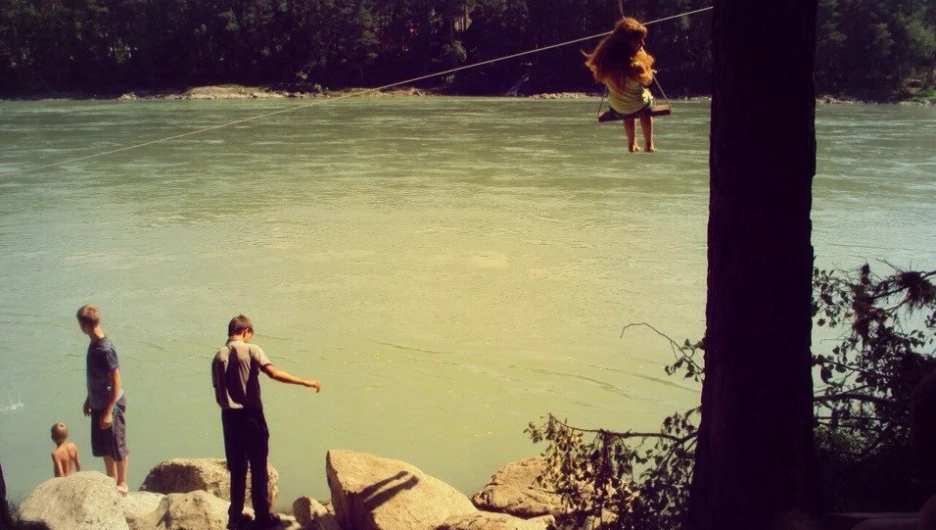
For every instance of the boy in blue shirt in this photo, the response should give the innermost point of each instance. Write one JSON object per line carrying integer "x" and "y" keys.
{"x": 105, "y": 402}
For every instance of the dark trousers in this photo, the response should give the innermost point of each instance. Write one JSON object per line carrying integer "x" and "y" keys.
{"x": 246, "y": 441}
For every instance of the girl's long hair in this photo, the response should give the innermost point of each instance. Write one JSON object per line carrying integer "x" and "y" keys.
{"x": 621, "y": 55}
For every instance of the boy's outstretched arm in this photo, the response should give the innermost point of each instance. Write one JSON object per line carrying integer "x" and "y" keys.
{"x": 285, "y": 377}
{"x": 77, "y": 460}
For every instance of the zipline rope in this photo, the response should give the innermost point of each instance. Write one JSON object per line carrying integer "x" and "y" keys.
{"x": 659, "y": 86}
{"x": 346, "y": 96}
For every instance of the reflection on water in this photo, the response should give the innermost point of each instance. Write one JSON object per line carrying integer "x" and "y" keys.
{"x": 449, "y": 268}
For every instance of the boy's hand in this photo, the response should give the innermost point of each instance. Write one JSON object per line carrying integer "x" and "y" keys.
{"x": 107, "y": 420}
{"x": 87, "y": 407}
{"x": 313, "y": 383}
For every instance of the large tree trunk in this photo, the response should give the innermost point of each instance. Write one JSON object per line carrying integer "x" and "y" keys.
{"x": 6, "y": 521}
{"x": 755, "y": 455}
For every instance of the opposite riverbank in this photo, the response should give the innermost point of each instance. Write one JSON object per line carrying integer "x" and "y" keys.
{"x": 237, "y": 92}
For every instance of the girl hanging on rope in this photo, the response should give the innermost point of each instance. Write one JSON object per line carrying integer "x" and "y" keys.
{"x": 622, "y": 64}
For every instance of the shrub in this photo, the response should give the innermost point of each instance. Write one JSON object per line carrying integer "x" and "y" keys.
{"x": 886, "y": 325}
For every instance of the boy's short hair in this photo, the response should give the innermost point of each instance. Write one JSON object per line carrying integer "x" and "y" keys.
{"x": 59, "y": 432}
{"x": 239, "y": 324}
{"x": 89, "y": 315}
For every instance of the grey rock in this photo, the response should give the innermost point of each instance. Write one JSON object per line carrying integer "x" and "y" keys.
{"x": 196, "y": 510}
{"x": 186, "y": 511}
{"x": 138, "y": 505}
{"x": 374, "y": 493}
{"x": 305, "y": 509}
{"x": 86, "y": 500}
{"x": 513, "y": 490}
{"x": 184, "y": 475}
{"x": 494, "y": 521}
{"x": 313, "y": 515}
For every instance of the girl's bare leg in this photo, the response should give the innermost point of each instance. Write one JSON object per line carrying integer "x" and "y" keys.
{"x": 646, "y": 127}
{"x": 631, "y": 133}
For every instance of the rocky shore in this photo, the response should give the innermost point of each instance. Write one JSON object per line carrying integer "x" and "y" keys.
{"x": 368, "y": 492}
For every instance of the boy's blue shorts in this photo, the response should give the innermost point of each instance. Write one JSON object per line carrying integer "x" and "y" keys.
{"x": 112, "y": 441}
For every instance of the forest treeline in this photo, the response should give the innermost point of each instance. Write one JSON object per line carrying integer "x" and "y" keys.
{"x": 863, "y": 46}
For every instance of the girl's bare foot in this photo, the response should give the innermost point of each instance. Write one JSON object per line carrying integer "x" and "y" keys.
{"x": 633, "y": 148}
{"x": 122, "y": 489}
{"x": 650, "y": 148}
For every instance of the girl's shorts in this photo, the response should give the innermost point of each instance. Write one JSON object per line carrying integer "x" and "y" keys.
{"x": 612, "y": 114}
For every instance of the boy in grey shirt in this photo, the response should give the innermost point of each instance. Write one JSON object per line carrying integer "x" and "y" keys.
{"x": 235, "y": 373}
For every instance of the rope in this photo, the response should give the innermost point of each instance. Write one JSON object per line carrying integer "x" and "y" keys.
{"x": 657, "y": 81}
{"x": 604, "y": 94}
{"x": 349, "y": 95}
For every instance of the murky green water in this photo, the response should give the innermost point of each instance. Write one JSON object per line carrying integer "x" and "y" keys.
{"x": 448, "y": 268}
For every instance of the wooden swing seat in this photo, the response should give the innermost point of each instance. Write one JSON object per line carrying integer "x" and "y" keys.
{"x": 662, "y": 109}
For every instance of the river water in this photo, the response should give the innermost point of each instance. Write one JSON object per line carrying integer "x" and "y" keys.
{"x": 449, "y": 268}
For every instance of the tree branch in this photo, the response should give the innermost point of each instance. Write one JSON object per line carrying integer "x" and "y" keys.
{"x": 674, "y": 346}
{"x": 854, "y": 396}
{"x": 628, "y": 434}
{"x": 853, "y": 423}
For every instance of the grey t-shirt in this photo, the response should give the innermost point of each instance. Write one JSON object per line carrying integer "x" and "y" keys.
{"x": 101, "y": 361}
{"x": 235, "y": 373}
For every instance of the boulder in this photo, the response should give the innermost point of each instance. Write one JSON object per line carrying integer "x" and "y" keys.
{"x": 139, "y": 504}
{"x": 494, "y": 521}
{"x": 313, "y": 515}
{"x": 197, "y": 510}
{"x": 374, "y": 493}
{"x": 184, "y": 475}
{"x": 187, "y": 511}
{"x": 87, "y": 500}
{"x": 513, "y": 490}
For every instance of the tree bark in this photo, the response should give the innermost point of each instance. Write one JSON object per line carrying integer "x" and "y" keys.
{"x": 6, "y": 521}
{"x": 755, "y": 456}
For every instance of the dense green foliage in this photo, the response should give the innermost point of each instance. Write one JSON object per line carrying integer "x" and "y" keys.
{"x": 97, "y": 45}
{"x": 864, "y": 385}
{"x": 883, "y": 333}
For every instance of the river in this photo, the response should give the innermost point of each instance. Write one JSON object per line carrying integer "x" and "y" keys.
{"x": 449, "y": 268}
